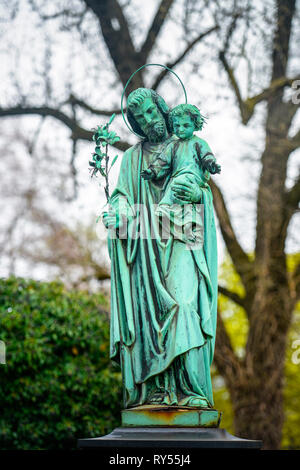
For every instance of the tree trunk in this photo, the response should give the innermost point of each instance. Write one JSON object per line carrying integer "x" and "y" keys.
{"x": 258, "y": 396}
{"x": 257, "y": 392}
{"x": 258, "y": 410}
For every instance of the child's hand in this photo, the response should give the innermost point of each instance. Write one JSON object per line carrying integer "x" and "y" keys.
{"x": 148, "y": 174}
{"x": 212, "y": 167}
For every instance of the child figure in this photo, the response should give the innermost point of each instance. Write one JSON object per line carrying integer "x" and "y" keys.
{"x": 184, "y": 120}
{"x": 188, "y": 158}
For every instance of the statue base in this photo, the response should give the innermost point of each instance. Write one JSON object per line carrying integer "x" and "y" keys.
{"x": 162, "y": 415}
{"x": 183, "y": 438}
{"x": 170, "y": 427}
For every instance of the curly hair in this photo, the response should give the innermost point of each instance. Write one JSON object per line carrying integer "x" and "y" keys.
{"x": 136, "y": 98}
{"x": 190, "y": 110}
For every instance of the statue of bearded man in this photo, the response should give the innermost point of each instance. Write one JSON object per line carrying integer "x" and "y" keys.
{"x": 163, "y": 295}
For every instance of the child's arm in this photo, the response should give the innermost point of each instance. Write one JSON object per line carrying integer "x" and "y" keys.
{"x": 206, "y": 158}
{"x": 209, "y": 163}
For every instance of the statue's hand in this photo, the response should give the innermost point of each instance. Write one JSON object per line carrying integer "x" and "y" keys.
{"x": 112, "y": 220}
{"x": 187, "y": 192}
{"x": 213, "y": 167}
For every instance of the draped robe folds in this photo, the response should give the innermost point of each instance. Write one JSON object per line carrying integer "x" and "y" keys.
{"x": 163, "y": 295}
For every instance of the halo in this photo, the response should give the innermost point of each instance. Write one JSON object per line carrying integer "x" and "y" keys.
{"x": 128, "y": 81}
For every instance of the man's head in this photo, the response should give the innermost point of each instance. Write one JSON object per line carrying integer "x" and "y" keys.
{"x": 147, "y": 114}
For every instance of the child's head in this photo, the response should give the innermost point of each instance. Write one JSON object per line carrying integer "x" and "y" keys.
{"x": 184, "y": 119}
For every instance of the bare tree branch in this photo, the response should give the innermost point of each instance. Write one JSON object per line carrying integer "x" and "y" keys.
{"x": 232, "y": 296}
{"x": 65, "y": 12}
{"x": 293, "y": 195}
{"x": 187, "y": 49}
{"x": 275, "y": 86}
{"x": 240, "y": 259}
{"x": 294, "y": 142}
{"x": 73, "y": 100}
{"x": 280, "y": 53}
{"x": 233, "y": 82}
{"x": 118, "y": 39}
{"x": 155, "y": 29}
{"x": 78, "y": 132}
{"x": 247, "y": 106}
{"x": 47, "y": 111}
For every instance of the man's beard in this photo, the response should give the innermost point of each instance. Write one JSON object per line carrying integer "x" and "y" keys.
{"x": 156, "y": 132}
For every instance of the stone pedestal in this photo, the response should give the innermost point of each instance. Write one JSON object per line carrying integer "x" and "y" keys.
{"x": 157, "y": 415}
{"x": 159, "y": 427}
{"x": 166, "y": 438}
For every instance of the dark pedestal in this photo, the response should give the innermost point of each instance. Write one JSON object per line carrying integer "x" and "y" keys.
{"x": 183, "y": 438}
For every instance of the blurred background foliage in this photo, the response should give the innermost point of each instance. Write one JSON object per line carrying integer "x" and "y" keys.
{"x": 59, "y": 383}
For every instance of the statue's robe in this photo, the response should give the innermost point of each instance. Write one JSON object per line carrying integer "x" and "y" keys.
{"x": 163, "y": 296}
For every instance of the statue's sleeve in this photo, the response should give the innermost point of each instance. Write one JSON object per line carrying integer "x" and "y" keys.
{"x": 122, "y": 198}
{"x": 204, "y": 151}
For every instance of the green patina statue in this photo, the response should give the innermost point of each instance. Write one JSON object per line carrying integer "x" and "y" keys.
{"x": 163, "y": 290}
{"x": 189, "y": 160}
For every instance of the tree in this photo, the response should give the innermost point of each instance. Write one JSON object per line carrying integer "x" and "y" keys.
{"x": 254, "y": 381}
{"x": 237, "y": 327}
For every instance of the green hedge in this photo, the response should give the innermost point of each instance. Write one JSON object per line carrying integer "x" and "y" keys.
{"x": 58, "y": 383}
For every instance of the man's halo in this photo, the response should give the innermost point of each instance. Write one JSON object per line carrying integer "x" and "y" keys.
{"x": 128, "y": 81}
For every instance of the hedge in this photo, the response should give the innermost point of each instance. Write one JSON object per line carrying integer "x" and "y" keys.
{"x": 58, "y": 383}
